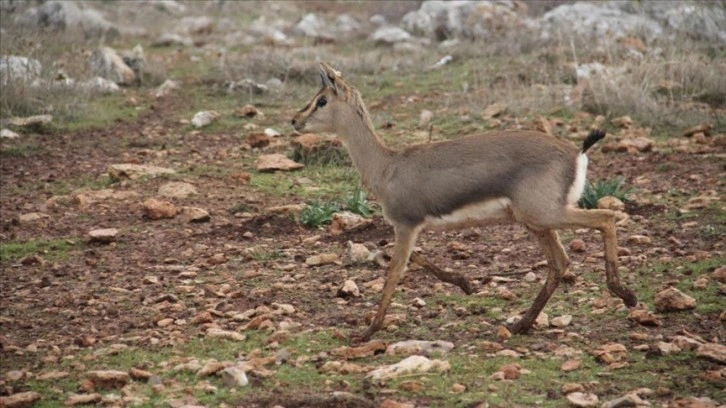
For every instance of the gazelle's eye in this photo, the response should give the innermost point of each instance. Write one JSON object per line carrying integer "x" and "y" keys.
{"x": 321, "y": 102}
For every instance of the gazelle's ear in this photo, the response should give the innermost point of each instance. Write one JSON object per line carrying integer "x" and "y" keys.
{"x": 329, "y": 76}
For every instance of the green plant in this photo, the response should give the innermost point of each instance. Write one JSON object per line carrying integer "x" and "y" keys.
{"x": 318, "y": 213}
{"x": 599, "y": 189}
{"x": 357, "y": 203}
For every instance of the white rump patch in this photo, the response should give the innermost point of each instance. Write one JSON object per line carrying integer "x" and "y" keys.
{"x": 578, "y": 186}
{"x": 492, "y": 210}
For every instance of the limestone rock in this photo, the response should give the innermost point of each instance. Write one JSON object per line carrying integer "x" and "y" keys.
{"x": 20, "y": 400}
{"x": 321, "y": 259}
{"x": 82, "y": 399}
{"x": 35, "y": 120}
{"x": 31, "y": 218}
{"x": 166, "y": 88}
{"x": 104, "y": 235}
{"x": 195, "y": 214}
{"x": 16, "y": 69}
{"x": 106, "y": 62}
{"x": 177, "y": 189}
{"x": 272, "y": 162}
{"x": 421, "y": 347}
{"x": 105, "y": 379}
{"x": 204, "y": 118}
{"x": 582, "y": 399}
{"x": 157, "y": 209}
{"x": 673, "y": 300}
{"x": 234, "y": 376}
{"x": 357, "y": 253}
{"x": 389, "y": 35}
{"x": 712, "y": 351}
{"x": 347, "y": 221}
{"x": 719, "y": 274}
{"x": 410, "y": 365}
{"x": 349, "y": 289}
{"x": 226, "y": 334}
{"x": 561, "y": 321}
{"x": 8, "y": 134}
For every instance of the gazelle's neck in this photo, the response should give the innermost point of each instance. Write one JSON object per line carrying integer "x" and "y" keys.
{"x": 370, "y": 155}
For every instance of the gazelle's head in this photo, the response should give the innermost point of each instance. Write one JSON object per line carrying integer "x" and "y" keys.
{"x": 329, "y": 108}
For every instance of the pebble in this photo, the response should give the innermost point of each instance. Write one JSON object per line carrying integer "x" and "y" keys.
{"x": 672, "y": 300}
{"x": 582, "y": 399}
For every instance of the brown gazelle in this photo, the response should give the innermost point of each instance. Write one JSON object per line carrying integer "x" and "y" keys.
{"x": 504, "y": 176}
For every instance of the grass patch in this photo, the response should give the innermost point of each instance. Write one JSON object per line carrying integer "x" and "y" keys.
{"x": 603, "y": 188}
{"x": 21, "y": 150}
{"x": 55, "y": 249}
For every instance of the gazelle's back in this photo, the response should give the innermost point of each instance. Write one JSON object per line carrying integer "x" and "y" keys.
{"x": 530, "y": 170}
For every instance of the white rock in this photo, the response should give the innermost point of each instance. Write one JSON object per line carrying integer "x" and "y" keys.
{"x": 166, "y": 88}
{"x": 390, "y": 35}
{"x": 234, "y": 376}
{"x": 581, "y": 399}
{"x": 561, "y": 321}
{"x": 105, "y": 62}
{"x": 631, "y": 399}
{"x": 542, "y": 320}
{"x": 349, "y": 289}
{"x": 270, "y": 132}
{"x": 100, "y": 85}
{"x": 357, "y": 253}
{"x": 18, "y": 69}
{"x": 410, "y": 347}
{"x": 8, "y": 134}
{"x": 410, "y": 365}
{"x": 204, "y": 118}
{"x": 267, "y": 163}
{"x": 530, "y": 277}
{"x": 667, "y": 348}
{"x": 195, "y": 214}
{"x": 103, "y": 235}
{"x": 226, "y": 334}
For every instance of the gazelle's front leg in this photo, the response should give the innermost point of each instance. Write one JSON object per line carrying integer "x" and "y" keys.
{"x": 405, "y": 240}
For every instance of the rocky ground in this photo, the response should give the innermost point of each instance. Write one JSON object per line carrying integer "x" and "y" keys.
{"x": 152, "y": 255}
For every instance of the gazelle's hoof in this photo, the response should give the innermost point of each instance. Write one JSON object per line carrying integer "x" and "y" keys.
{"x": 519, "y": 328}
{"x": 356, "y": 339}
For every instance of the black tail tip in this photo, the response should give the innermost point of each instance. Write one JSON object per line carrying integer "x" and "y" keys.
{"x": 593, "y": 138}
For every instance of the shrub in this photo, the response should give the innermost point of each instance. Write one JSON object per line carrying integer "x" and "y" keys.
{"x": 318, "y": 213}
{"x": 599, "y": 189}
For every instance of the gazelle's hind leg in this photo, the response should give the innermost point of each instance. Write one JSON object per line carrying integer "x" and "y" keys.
{"x": 557, "y": 263}
{"x": 603, "y": 221}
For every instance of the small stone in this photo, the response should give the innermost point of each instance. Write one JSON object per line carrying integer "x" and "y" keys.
{"x": 511, "y": 371}
{"x": 8, "y": 134}
{"x": 712, "y": 351}
{"x": 631, "y": 399}
{"x": 422, "y": 347}
{"x": 570, "y": 365}
{"x": 408, "y": 366}
{"x": 561, "y": 321}
{"x": 644, "y": 317}
{"x": 258, "y": 140}
{"x": 686, "y": 343}
{"x": 322, "y": 259}
{"x": 357, "y": 253}
{"x": 32, "y": 217}
{"x": 82, "y": 399}
{"x": 568, "y": 388}
{"x": 226, "y": 334}
{"x": 412, "y": 386}
{"x": 234, "y": 376}
{"x": 719, "y": 274}
{"x": 577, "y": 245}
{"x": 665, "y": 349}
{"x": 672, "y": 300}
{"x": 204, "y": 118}
{"x": 418, "y": 302}
{"x": 704, "y": 128}
{"x": 506, "y": 294}
{"x": 349, "y": 289}
{"x": 268, "y": 163}
{"x": 700, "y": 283}
{"x": 639, "y": 240}
{"x": 105, "y": 379}
{"x": 217, "y": 259}
{"x": 241, "y": 177}
{"x": 530, "y": 277}
{"x": 457, "y": 388}
{"x": 166, "y": 322}
{"x": 177, "y": 189}
{"x": 248, "y": 111}
{"x": 158, "y": 209}
{"x": 202, "y": 318}
{"x": 14, "y": 375}
{"x": 211, "y": 367}
{"x": 503, "y": 333}
{"x": 139, "y": 374}
{"x": 195, "y": 215}
{"x": 104, "y": 235}
{"x": 542, "y": 320}
{"x": 388, "y": 403}
{"x": 425, "y": 118}
{"x": 581, "y": 399}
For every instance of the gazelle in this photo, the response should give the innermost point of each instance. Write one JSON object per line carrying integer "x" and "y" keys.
{"x": 504, "y": 176}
